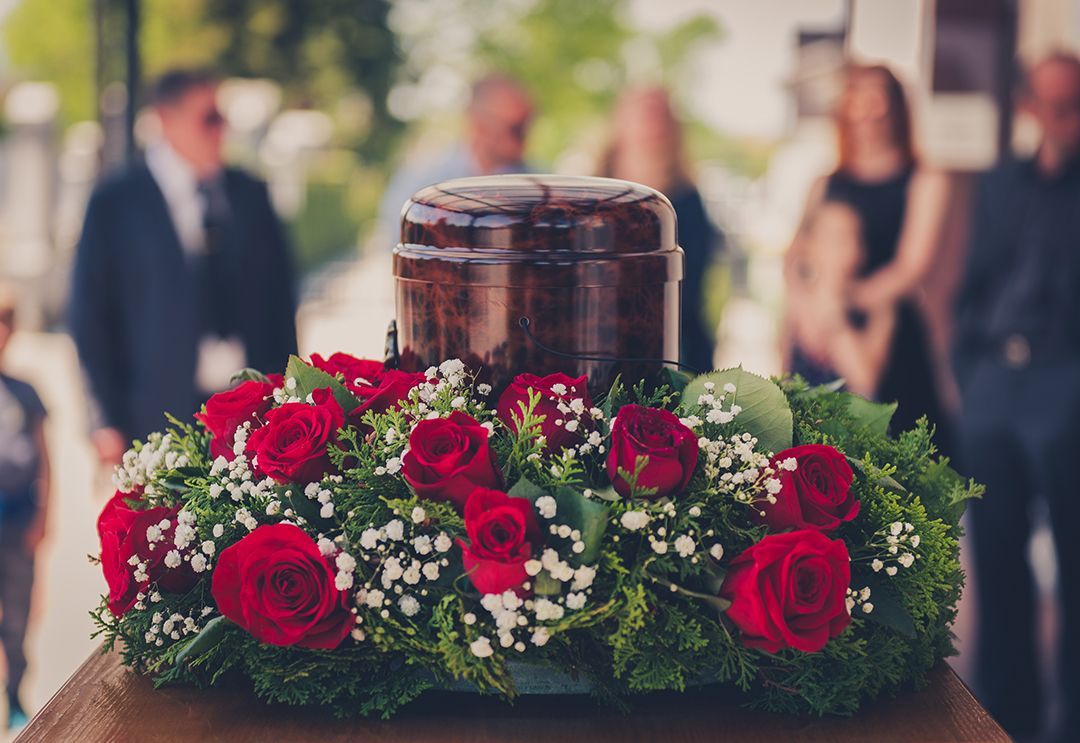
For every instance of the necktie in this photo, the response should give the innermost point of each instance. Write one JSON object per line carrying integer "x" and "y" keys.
{"x": 217, "y": 282}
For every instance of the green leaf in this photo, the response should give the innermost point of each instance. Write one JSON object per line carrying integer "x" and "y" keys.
{"x": 765, "y": 411}
{"x": 308, "y": 379}
{"x": 526, "y": 488}
{"x": 587, "y": 516}
{"x": 573, "y": 508}
{"x": 304, "y": 506}
{"x": 607, "y": 494}
{"x": 247, "y": 375}
{"x": 873, "y": 416}
{"x": 888, "y": 608}
{"x": 209, "y": 636}
{"x": 607, "y": 407}
{"x": 675, "y": 379}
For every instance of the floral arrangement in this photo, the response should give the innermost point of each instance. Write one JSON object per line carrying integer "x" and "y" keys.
{"x": 352, "y": 535}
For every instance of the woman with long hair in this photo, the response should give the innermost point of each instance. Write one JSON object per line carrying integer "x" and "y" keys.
{"x": 900, "y": 207}
{"x": 646, "y": 147}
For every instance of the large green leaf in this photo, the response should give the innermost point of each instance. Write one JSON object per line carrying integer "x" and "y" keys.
{"x": 573, "y": 508}
{"x": 587, "y": 516}
{"x": 888, "y": 608}
{"x": 874, "y": 416}
{"x": 308, "y": 379}
{"x": 765, "y": 411}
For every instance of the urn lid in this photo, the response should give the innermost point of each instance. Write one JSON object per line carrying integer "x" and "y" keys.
{"x": 540, "y": 213}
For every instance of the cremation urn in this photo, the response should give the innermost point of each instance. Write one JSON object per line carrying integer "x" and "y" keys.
{"x": 539, "y": 273}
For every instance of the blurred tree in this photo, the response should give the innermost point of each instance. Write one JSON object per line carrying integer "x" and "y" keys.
{"x": 320, "y": 51}
{"x": 573, "y": 56}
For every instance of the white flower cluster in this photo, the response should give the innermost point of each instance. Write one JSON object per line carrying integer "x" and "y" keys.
{"x": 406, "y": 555}
{"x": 712, "y": 406}
{"x": 895, "y": 544}
{"x": 236, "y": 477}
{"x": 287, "y": 393}
{"x": 448, "y": 382}
{"x": 656, "y": 521}
{"x": 859, "y": 598}
{"x": 175, "y": 626}
{"x": 734, "y": 467}
{"x": 516, "y": 619}
{"x": 140, "y": 465}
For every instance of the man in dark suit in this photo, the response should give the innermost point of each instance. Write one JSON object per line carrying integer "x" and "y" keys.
{"x": 182, "y": 275}
{"x": 1018, "y": 366}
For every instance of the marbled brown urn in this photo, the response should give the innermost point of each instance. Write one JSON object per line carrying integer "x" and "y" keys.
{"x": 592, "y": 264}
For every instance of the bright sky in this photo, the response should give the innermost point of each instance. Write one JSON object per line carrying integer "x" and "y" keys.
{"x": 741, "y": 85}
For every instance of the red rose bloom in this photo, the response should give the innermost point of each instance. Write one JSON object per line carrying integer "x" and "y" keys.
{"x": 788, "y": 590}
{"x": 671, "y": 447}
{"x": 227, "y": 411}
{"x": 377, "y": 387}
{"x": 557, "y": 392}
{"x": 816, "y": 495}
{"x": 278, "y": 586}
{"x": 122, "y": 531}
{"x": 503, "y": 535}
{"x": 386, "y": 391}
{"x": 293, "y": 445}
{"x": 357, "y": 373}
{"x": 448, "y": 458}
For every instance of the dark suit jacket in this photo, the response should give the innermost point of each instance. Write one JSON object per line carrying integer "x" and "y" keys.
{"x": 1017, "y": 211}
{"x": 134, "y": 310}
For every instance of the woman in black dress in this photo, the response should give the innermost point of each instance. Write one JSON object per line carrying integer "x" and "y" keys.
{"x": 900, "y": 205}
{"x": 646, "y": 147}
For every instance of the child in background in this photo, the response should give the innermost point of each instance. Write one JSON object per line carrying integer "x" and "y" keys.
{"x": 823, "y": 339}
{"x": 24, "y": 497}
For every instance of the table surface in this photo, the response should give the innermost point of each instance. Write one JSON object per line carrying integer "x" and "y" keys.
{"x": 105, "y": 701}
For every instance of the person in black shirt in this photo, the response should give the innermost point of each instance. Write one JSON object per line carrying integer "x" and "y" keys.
{"x": 24, "y": 498}
{"x": 646, "y": 147}
{"x": 1017, "y": 362}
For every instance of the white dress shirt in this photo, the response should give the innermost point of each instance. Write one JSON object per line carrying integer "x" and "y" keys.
{"x": 219, "y": 358}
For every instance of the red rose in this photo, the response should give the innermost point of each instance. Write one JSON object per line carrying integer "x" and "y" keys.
{"x": 122, "y": 531}
{"x": 788, "y": 590}
{"x": 378, "y": 388}
{"x": 278, "y": 586}
{"x": 358, "y": 374}
{"x": 386, "y": 391}
{"x": 227, "y": 411}
{"x": 671, "y": 447}
{"x": 503, "y": 535}
{"x": 448, "y": 458}
{"x": 564, "y": 403}
{"x": 292, "y": 447}
{"x": 816, "y": 495}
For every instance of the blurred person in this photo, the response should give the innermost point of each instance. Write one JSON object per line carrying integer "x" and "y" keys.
{"x": 1017, "y": 362}
{"x": 901, "y": 206}
{"x": 497, "y": 122}
{"x": 182, "y": 275}
{"x": 647, "y": 147}
{"x": 824, "y": 337}
{"x": 24, "y": 506}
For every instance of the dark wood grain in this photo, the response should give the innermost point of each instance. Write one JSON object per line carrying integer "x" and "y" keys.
{"x": 106, "y": 702}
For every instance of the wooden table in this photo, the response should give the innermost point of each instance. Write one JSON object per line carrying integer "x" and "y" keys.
{"x": 104, "y": 701}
